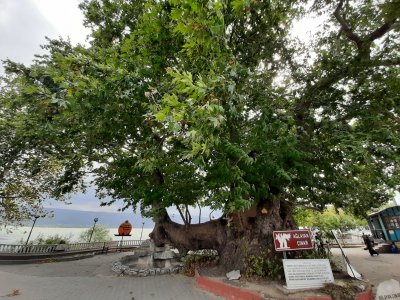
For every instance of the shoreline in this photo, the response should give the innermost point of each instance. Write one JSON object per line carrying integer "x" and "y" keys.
{"x": 20, "y": 234}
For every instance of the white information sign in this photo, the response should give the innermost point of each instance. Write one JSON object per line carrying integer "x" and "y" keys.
{"x": 307, "y": 273}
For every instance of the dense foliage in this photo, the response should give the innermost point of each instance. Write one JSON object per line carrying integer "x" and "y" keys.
{"x": 211, "y": 103}
{"x": 329, "y": 220}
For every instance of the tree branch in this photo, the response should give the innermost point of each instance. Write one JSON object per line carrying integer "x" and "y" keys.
{"x": 384, "y": 62}
{"x": 233, "y": 30}
{"x": 381, "y": 31}
{"x": 2, "y": 196}
{"x": 188, "y": 215}
{"x": 181, "y": 213}
{"x": 353, "y": 68}
{"x": 198, "y": 203}
{"x": 345, "y": 27}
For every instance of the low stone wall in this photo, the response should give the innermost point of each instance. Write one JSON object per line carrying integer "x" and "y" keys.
{"x": 148, "y": 260}
{"x": 122, "y": 270}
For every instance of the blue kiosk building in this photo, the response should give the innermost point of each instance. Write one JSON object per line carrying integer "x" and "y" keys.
{"x": 385, "y": 224}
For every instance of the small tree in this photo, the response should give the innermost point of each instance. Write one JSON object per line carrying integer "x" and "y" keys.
{"x": 100, "y": 234}
{"x": 329, "y": 219}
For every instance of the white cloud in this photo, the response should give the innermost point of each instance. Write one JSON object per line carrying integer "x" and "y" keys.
{"x": 88, "y": 206}
{"x": 22, "y": 30}
{"x": 65, "y": 17}
{"x": 85, "y": 202}
{"x": 24, "y": 24}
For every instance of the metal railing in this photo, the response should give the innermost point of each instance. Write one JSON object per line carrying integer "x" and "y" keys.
{"x": 129, "y": 243}
{"x": 83, "y": 246}
{"x": 347, "y": 240}
{"x": 34, "y": 249}
{"x": 27, "y": 248}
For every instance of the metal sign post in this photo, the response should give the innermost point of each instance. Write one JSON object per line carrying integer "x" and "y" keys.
{"x": 124, "y": 230}
{"x": 122, "y": 239}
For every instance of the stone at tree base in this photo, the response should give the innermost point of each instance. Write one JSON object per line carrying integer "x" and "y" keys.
{"x": 148, "y": 262}
{"x": 233, "y": 275}
{"x": 389, "y": 289}
{"x": 164, "y": 255}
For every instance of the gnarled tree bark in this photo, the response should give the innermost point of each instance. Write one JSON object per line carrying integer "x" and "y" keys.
{"x": 234, "y": 236}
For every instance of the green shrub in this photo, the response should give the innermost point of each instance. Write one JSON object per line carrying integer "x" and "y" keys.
{"x": 309, "y": 254}
{"x": 51, "y": 240}
{"x": 265, "y": 265}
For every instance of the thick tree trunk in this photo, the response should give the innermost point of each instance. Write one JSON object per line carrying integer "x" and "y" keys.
{"x": 234, "y": 236}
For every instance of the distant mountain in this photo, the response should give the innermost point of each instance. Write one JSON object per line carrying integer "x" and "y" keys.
{"x": 76, "y": 218}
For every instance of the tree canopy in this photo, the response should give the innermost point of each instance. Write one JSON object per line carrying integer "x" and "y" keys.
{"x": 212, "y": 103}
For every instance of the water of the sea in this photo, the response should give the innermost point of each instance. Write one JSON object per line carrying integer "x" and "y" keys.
{"x": 20, "y": 234}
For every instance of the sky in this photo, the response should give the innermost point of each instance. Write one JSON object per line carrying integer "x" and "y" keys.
{"x": 24, "y": 24}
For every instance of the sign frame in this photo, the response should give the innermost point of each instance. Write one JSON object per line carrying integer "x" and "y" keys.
{"x": 292, "y": 240}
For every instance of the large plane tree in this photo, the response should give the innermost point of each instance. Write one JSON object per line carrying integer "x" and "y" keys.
{"x": 213, "y": 103}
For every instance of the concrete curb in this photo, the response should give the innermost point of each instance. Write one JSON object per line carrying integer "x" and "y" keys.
{"x": 225, "y": 290}
{"x": 367, "y": 295}
{"x": 234, "y": 293}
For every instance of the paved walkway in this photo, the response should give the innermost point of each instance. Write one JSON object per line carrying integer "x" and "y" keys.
{"x": 375, "y": 268}
{"x": 92, "y": 278}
